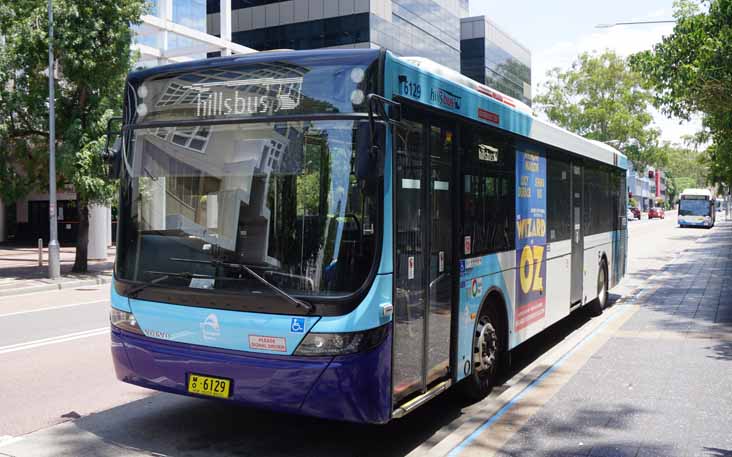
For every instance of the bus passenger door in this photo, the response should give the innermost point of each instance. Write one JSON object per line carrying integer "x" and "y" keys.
{"x": 578, "y": 239}
{"x": 441, "y": 263}
{"x": 423, "y": 263}
{"x": 410, "y": 257}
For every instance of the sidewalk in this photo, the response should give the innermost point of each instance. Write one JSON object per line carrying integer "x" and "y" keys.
{"x": 660, "y": 386}
{"x": 20, "y": 273}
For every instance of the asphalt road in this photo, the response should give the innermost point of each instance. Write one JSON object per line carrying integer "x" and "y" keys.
{"x": 54, "y": 353}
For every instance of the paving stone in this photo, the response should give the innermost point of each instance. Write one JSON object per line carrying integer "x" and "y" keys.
{"x": 664, "y": 392}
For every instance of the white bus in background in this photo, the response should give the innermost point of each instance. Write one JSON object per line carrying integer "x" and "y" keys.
{"x": 697, "y": 208}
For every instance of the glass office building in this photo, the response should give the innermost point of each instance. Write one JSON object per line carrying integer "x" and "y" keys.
{"x": 426, "y": 28}
{"x": 176, "y": 31}
{"x": 492, "y": 57}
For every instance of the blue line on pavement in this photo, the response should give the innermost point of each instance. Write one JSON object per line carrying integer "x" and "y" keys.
{"x": 483, "y": 427}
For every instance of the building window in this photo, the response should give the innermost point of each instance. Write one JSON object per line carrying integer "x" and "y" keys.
{"x": 322, "y": 33}
{"x": 194, "y": 138}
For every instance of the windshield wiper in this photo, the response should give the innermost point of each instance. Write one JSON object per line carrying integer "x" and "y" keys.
{"x": 252, "y": 273}
{"x": 162, "y": 277}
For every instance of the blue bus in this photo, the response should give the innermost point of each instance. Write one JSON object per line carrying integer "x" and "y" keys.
{"x": 347, "y": 234}
{"x": 697, "y": 208}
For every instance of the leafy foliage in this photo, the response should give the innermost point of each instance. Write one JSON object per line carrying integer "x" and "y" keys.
{"x": 92, "y": 47}
{"x": 601, "y": 98}
{"x": 684, "y": 167}
{"x": 691, "y": 72}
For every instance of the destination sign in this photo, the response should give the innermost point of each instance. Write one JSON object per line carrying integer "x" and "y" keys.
{"x": 247, "y": 97}
{"x": 293, "y": 87}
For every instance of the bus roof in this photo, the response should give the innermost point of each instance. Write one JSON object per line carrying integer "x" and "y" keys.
{"x": 254, "y": 57}
{"x": 704, "y": 192}
{"x": 507, "y": 113}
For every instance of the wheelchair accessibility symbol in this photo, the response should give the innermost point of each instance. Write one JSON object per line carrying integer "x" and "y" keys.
{"x": 297, "y": 325}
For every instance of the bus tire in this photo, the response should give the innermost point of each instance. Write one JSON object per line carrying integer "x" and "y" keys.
{"x": 488, "y": 354}
{"x": 598, "y": 304}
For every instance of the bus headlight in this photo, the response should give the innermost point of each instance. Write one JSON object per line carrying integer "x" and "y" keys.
{"x": 324, "y": 344}
{"x": 124, "y": 321}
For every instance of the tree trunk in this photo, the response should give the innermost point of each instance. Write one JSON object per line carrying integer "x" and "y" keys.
{"x": 82, "y": 239}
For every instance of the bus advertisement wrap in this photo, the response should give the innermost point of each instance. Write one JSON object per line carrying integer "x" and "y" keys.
{"x": 530, "y": 238}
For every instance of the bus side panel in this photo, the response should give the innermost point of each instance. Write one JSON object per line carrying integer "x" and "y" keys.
{"x": 619, "y": 254}
{"x": 595, "y": 246}
{"x": 558, "y": 279}
{"x": 478, "y": 277}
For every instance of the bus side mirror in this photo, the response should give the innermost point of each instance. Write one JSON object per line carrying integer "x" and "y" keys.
{"x": 370, "y": 144}
{"x": 113, "y": 155}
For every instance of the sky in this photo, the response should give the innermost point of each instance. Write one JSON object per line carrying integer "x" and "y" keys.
{"x": 556, "y": 31}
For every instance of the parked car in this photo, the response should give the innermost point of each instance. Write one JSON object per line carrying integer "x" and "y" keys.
{"x": 636, "y": 211}
{"x": 656, "y": 212}
{"x": 630, "y": 215}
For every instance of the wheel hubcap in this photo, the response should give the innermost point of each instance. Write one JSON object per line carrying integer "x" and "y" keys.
{"x": 486, "y": 348}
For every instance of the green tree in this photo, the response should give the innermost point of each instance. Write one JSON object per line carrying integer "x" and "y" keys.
{"x": 691, "y": 72}
{"x": 683, "y": 162}
{"x": 601, "y": 98}
{"x": 92, "y": 46}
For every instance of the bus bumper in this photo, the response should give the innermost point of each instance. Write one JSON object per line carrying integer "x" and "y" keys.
{"x": 355, "y": 387}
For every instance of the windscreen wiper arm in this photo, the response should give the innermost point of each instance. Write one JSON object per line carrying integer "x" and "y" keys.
{"x": 162, "y": 277}
{"x": 252, "y": 273}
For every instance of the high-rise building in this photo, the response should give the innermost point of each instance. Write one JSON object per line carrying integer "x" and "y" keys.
{"x": 176, "y": 31}
{"x": 492, "y": 57}
{"x": 426, "y": 28}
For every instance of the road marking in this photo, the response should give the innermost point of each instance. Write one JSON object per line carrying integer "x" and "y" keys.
{"x": 53, "y": 340}
{"x": 49, "y": 308}
{"x": 7, "y": 440}
{"x": 711, "y": 334}
{"x": 57, "y": 289}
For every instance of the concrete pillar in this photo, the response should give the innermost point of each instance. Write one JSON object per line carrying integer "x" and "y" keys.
{"x": 97, "y": 245}
{"x": 108, "y": 213}
{"x": 3, "y": 229}
{"x": 225, "y": 29}
{"x": 154, "y": 211}
{"x": 212, "y": 211}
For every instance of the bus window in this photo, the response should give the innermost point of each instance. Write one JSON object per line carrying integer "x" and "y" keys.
{"x": 488, "y": 191}
{"x": 559, "y": 200}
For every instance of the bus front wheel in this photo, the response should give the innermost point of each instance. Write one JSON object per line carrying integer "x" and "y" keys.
{"x": 597, "y": 305}
{"x": 487, "y": 355}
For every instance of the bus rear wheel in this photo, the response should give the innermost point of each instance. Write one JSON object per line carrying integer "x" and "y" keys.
{"x": 597, "y": 305}
{"x": 487, "y": 356}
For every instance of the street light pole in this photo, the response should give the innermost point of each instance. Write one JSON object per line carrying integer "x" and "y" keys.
{"x": 54, "y": 261}
{"x": 607, "y": 26}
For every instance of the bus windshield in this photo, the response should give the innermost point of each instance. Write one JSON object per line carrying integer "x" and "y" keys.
{"x": 281, "y": 198}
{"x": 693, "y": 207}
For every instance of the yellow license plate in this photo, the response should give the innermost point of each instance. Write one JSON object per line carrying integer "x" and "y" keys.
{"x": 206, "y": 385}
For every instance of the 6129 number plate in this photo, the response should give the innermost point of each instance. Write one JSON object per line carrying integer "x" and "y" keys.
{"x": 207, "y": 385}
